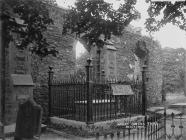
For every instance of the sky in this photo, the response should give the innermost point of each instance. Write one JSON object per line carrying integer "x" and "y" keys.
{"x": 168, "y": 36}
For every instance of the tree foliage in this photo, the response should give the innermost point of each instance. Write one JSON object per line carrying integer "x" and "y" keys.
{"x": 173, "y": 69}
{"x": 29, "y": 19}
{"x": 171, "y": 13}
{"x": 89, "y": 19}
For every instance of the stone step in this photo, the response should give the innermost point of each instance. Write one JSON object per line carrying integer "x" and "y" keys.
{"x": 10, "y": 129}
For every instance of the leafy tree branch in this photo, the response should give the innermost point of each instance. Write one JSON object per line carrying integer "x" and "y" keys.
{"x": 89, "y": 19}
{"x": 174, "y": 13}
{"x": 29, "y": 19}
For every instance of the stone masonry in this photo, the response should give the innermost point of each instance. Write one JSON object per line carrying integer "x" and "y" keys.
{"x": 22, "y": 62}
{"x": 153, "y": 72}
{"x": 63, "y": 64}
{"x": 0, "y": 58}
{"x": 127, "y": 63}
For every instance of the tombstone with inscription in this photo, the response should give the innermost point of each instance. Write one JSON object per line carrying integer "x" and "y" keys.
{"x": 28, "y": 123}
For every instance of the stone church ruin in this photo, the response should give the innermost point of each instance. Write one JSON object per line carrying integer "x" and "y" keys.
{"x": 27, "y": 74}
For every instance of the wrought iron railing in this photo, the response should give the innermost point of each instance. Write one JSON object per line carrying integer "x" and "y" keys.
{"x": 88, "y": 101}
{"x": 69, "y": 100}
{"x": 151, "y": 129}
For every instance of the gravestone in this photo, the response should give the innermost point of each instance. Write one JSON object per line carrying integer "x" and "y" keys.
{"x": 28, "y": 123}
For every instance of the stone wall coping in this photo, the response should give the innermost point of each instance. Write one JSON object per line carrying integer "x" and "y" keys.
{"x": 105, "y": 124}
{"x": 22, "y": 80}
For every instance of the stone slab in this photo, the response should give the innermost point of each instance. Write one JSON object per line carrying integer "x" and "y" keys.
{"x": 119, "y": 89}
{"x": 22, "y": 80}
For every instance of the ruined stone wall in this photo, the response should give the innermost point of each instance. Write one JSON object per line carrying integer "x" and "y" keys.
{"x": 10, "y": 105}
{"x": 0, "y": 57}
{"x": 154, "y": 77}
{"x": 185, "y": 72}
{"x": 63, "y": 64}
{"x": 125, "y": 60}
{"x": 154, "y": 67}
{"x": 10, "y": 102}
{"x": 18, "y": 62}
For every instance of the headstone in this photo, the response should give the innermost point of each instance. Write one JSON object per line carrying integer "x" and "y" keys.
{"x": 28, "y": 123}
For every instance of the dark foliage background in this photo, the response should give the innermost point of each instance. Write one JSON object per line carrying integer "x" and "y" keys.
{"x": 29, "y": 20}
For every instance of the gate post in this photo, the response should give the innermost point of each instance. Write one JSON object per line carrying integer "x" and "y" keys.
{"x": 103, "y": 76}
{"x": 165, "y": 115}
{"x": 98, "y": 79}
{"x": 50, "y": 78}
{"x": 89, "y": 92}
{"x": 144, "y": 98}
{"x": 143, "y": 91}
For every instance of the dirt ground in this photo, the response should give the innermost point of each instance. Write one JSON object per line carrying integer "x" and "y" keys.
{"x": 170, "y": 99}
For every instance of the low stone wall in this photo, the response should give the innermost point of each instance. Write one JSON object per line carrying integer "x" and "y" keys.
{"x": 87, "y": 130}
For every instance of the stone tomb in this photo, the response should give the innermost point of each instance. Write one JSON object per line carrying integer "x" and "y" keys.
{"x": 28, "y": 123}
